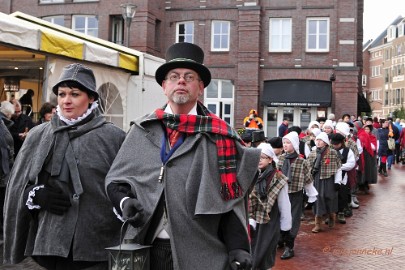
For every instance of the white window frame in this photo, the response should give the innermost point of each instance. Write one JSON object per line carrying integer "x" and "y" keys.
{"x": 280, "y": 35}
{"x": 52, "y": 19}
{"x": 222, "y": 48}
{"x": 219, "y": 100}
{"x": 117, "y": 30}
{"x": 51, "y": 1}
{"x": 364, "y": 80}
{"x": 187, "y": 36}
{"x": 317, "y": 49}
{"x": 391, "y": 32}
{"x": 86, "y": 28}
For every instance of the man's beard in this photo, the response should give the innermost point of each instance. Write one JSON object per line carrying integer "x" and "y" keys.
{"x": 180, "y": 99}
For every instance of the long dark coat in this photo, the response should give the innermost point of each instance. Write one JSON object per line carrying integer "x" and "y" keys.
{"x": 89, "y": 225}
{"x": 191, "y": 184}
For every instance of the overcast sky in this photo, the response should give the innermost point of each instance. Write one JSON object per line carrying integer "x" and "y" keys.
{"x": 386, "y": 11}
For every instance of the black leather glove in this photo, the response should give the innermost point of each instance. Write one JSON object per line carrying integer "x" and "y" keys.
{"x": 240, "y": 259}
{"x": 132, "y": 212}
{"x": 337, "y": 187}
{"x": 52, "y": 199}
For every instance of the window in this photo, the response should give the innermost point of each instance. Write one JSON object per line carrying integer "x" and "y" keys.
{"x": 111, "y": 104}
{"x": 51, "y": 1}
{"x": 86, "y": 24}
{"x": 280, "y": 35}
{"x": 219, "y": 97}
{"x": 375, "y": 95}
{"x": 386, "y": 75}
{"x": 386, "y": 98}
{"x": 317, "y": 35}
{"x": 117, "y": 29}
{"x": 185, "y": 32}
{"x": 59, "y": 20}
{"x": 397, "y": 96}
{"x": 391, "y": 32}
{"x": 220, "y": 32}
{"x": 364, "y": 80}
{"x": 375, "y": 71}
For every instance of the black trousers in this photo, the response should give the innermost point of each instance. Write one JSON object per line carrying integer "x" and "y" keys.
{"x": 161, "y": 255}
{"x": 343, "y": 193}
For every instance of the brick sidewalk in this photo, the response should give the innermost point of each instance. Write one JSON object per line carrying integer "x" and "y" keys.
{"x": 373, "y": 238}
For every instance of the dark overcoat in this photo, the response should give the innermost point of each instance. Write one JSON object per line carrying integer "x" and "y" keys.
{"x": 191, "y": 184}
{"x": 89, "y": 226}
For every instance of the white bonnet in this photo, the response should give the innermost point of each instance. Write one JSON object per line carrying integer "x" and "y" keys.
{"x": 343, "y": 128}
{"x": 324, "y": 137}
{"x": 294, "y": 139}
{"x": 268, "y": 151}
{"x": 328, "y": 123}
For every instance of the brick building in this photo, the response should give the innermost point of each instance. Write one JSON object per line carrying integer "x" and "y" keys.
{"x": 383, "y": 73}
{"x": 285, "y": 58}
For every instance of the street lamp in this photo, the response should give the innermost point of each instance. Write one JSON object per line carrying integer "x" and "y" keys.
{"x": 128, "y": 13}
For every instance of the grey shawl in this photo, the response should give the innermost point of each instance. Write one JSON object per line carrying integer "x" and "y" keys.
{"x": 191, "y": 184}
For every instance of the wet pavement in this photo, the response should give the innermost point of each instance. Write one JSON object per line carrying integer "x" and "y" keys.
{"x": 373, "y": 238}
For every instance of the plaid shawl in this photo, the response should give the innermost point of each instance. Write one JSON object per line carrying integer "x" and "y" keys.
{"x": 224, "y": 139}
{"x": 259, "y": 209}
{"x": 300, "y": 173}
{"x": 330, "y": 162}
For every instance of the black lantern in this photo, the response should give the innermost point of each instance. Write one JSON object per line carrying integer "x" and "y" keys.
{"x": 128, "y": 256}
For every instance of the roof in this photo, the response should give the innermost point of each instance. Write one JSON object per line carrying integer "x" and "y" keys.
{"x": 25, "y": 31}
{"x": 380, "y": 39}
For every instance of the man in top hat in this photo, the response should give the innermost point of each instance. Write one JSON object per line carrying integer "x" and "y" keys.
{"x": 182, "y": 175}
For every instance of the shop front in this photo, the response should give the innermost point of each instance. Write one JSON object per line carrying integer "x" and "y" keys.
{"x": 301, "y": 101}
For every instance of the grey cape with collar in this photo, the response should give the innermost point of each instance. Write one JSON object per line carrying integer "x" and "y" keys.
{"x": 86, "y": 230}
{"x": 191, "y": 183}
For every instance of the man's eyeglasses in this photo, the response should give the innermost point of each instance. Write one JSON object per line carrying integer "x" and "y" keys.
{"x": 188, "y": 77}
{"x": 261, "y": 157}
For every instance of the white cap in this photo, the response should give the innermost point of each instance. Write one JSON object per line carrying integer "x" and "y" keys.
{"x": 343, "y": 128}
{"x": 324, "y": 137}
{"x": 328, "y": 123}
{"x": 316, "y": 131}
{"x": 294, "y": 139}
{"x": 314, "y": 123}
{"x": 268, "y": 151}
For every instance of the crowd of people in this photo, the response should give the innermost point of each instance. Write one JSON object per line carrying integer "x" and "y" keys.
{"x": 322, "y": 168}
{"x": 200, "y": 195}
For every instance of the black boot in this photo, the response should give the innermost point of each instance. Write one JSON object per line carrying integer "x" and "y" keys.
{"x": 288, "y": 253}
{"x": 289, "y": 245}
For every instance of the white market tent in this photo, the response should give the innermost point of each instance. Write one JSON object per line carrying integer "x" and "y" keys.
{"x": 125, "y": 77}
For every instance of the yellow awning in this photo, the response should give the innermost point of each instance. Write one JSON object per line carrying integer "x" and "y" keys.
{"x": 57, "y": 40}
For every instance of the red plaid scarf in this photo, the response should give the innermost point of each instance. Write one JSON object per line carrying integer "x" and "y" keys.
{"x": 225, "y": 141}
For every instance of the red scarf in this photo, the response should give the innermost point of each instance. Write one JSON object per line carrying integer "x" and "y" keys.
{"x": 225, "y": 142}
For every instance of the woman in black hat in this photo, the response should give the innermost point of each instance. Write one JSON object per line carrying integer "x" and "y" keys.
{"x": 56, "y": 209}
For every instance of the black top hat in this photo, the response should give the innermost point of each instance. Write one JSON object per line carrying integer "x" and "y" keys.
{"x": 80, "y": 74}
{"x": 184, "y": 55}
{"x": 276, "y": 142}
{"x": 258, "y": 136}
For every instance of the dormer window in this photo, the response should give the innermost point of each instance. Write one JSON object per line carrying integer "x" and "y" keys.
{"x": 391, "y": 33}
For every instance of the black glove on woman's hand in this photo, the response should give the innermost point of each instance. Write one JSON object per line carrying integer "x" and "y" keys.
{"x": 52, "y": 199}
{"x": 240, "y": 259}
{"x": 132, "y": 211}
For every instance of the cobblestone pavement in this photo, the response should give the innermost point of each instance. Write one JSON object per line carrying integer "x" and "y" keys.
{"x": 373, "y": 238}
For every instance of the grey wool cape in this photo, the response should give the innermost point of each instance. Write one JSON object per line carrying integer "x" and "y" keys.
{"x": 191, "y": 184}
{"x": 89, "y": 225}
